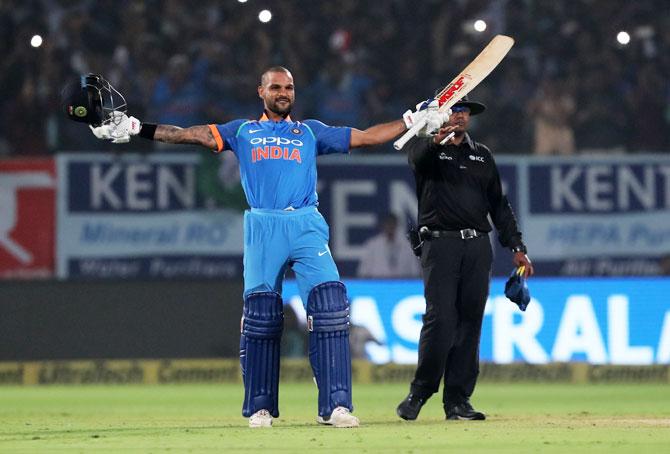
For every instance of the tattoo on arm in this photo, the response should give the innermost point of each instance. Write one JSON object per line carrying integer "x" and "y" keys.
{"x": 198, "y": 135}
{"x": 377, "y": 134}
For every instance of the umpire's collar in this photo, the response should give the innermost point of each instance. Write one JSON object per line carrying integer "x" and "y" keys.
{"x": 466, "y": 143}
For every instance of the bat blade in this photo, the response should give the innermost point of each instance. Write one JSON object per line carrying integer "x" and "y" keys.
{"x": 475, "y": 72}
{"x": 466, "y": 80}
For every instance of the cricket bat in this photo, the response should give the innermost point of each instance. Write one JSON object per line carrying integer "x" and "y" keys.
{"x": 468, "y": 79}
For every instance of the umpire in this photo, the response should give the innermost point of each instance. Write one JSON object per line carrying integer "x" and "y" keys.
{"x": 457, "y": 186}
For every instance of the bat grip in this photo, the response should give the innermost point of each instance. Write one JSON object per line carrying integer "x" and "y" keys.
{"x": 411, "y": 132}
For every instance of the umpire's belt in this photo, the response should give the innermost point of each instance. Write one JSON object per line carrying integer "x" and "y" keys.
{"x": 465, "y": 234}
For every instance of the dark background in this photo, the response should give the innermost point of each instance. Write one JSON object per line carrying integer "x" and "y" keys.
{"x": 82, "y": 320}
{"x": 355, "y": 63}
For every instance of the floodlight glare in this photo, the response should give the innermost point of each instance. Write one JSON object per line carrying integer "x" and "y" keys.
{"x": 265, "y": 16}
{"x": 36, "y": 41}
{"x": 623, "y": 38}
{"x": 480, "y": 25}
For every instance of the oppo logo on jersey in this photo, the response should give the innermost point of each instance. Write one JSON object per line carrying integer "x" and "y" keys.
{"x": 275, "y": 141}
{"x": 270, "y": 151}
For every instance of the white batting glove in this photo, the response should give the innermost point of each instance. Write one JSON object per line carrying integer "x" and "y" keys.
{"x": 122, "y": 127}
{"x": 434, "y": 121}
{"x": 412, "y": 118}
{"x": 101, "y": 132}
{"x": 119, "y": 128}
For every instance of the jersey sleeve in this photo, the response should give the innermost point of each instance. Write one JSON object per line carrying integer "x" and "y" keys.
{"x": 226, "y": 135}
{"x": 329, "y": 139}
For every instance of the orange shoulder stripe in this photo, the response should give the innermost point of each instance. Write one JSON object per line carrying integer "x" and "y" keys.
{"x": 217, "y": 137}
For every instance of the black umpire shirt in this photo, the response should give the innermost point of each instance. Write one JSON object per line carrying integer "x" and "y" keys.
{"x": 458, "y": 186}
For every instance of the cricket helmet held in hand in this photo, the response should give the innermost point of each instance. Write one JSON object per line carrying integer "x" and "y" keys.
{"x": 516, "y": 288}
{"x": 92, "y": 99}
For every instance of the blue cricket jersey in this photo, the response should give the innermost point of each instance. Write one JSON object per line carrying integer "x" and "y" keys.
{"x": 278, "y": 159}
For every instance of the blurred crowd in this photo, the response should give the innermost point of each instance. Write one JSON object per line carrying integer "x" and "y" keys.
{"x": 567, "y": 86}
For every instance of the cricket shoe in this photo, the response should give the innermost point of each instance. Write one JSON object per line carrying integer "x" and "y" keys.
{"x": 464, "y": 412}
{"x": 409, "y": 408}
{"x": 340, "y": 417}
{"x": 262, "y": 418}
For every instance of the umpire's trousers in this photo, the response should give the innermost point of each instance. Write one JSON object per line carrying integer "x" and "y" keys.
{"x": 456, "y": 275}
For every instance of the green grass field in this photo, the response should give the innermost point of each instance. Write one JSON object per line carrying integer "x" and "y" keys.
{"x": 195, "y": 418}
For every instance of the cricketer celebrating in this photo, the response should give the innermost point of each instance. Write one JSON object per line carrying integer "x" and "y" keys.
{"x": 283, "y": 228}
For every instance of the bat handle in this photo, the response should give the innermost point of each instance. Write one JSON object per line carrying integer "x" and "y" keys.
{"x": 411, "y": 132}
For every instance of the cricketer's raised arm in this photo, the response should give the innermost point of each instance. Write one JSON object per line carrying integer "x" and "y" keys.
{"x": 122, "y": 128}
{"x": 426, "y": 119}
{"x": 377, "y": 134}
{"x": 198, "y": 135}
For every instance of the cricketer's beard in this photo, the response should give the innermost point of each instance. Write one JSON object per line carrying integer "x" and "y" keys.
{"x": 279, "y": 111}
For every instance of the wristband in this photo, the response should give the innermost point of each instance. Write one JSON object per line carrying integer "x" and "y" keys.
{"x": 148, "y": 130}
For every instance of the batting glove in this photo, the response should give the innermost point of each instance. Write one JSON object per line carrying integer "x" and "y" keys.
{"x": 118, "y": 129}
{"x": 434, "y": 121}
{"x": 412, "y": 118}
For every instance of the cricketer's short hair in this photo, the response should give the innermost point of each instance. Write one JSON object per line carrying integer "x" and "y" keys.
{"x": 274, "y": 69}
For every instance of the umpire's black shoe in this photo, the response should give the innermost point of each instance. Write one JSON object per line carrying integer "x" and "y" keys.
{"x": 464, "y": 411}
{"x": 410, "y": 407}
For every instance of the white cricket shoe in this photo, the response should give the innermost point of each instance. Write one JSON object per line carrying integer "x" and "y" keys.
{"x": 340, "y": 417}
{"x": 262, "y": 418}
